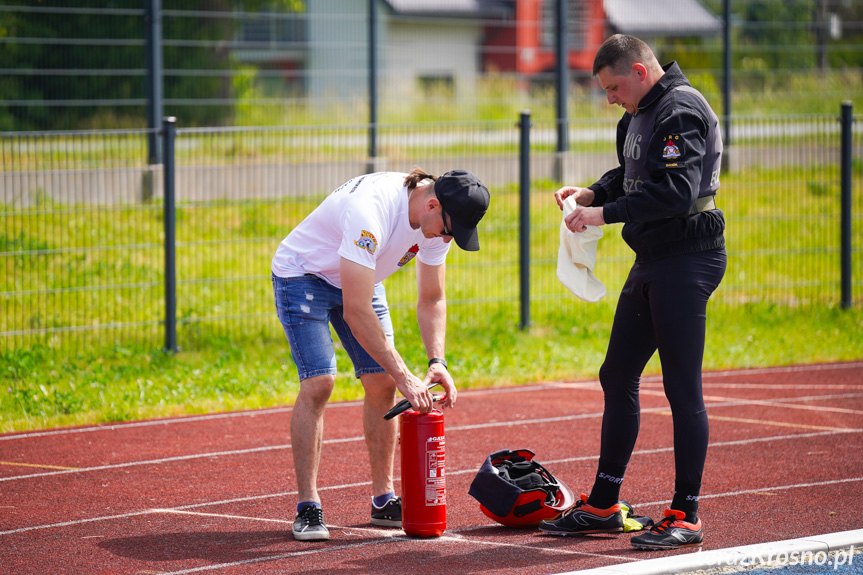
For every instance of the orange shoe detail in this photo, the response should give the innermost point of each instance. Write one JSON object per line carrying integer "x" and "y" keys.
{"x": 596, "y": 510}
{"x": 679, "y": 522}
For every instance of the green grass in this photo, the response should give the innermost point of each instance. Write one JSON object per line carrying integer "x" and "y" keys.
{"x": 43, "y": 390}
{"x": 80, "y": 266}
{"x": 503, "y": 97}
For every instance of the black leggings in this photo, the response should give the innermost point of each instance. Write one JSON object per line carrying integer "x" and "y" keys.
{"x": 662, "y": 306}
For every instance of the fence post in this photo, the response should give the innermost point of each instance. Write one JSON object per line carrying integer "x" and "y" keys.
{"x": 153, "y": 23}
{"x": 847, "y": 144}
{"x": 524, "y": 218}
{"x": 726, "y": 67}
{"x": 560, "y": 31}
{"x": 562, "y": 92}
{"x": 373, "y": 83}
{"x": 169, "y": 134}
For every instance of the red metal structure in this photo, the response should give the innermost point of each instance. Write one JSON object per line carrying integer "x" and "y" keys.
{"x": 525, "y": 45}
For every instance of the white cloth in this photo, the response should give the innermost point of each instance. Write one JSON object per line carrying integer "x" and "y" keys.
{"x": 365, "y": 221}
{"x": 576, "y": 258}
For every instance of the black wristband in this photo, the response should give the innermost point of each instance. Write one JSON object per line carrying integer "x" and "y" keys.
{"x": 439, "y": 360}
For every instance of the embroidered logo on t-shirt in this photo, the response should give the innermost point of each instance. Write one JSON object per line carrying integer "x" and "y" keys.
{"x": 367, "y": 241}
{"x": 671, "y": 151}
{"x": 409, "y": 255}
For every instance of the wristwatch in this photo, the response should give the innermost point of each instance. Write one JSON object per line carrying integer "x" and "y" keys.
{"x": 439, "y": 360}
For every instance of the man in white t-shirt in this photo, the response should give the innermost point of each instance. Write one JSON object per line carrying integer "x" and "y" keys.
{"x": 328, "y": 271}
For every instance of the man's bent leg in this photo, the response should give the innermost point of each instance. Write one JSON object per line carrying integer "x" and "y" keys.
{"x": 307, "y": 432}
{"x": 380, "y": 395}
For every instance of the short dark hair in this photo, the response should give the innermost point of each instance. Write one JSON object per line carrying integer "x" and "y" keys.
{"x": 620, "y": 52}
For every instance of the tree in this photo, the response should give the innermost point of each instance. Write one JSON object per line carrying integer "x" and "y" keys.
{"x": 91, "y": 61}
{"x": 778, "y": 32}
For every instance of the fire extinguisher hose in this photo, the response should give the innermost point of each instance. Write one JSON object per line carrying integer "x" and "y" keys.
{"x": 405, "y": 405}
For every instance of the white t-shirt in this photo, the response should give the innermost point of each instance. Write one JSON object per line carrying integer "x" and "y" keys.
{"x": 365, "y": 221}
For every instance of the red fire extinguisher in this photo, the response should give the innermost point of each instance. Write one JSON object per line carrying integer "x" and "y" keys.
{"x": 423, "y": 473}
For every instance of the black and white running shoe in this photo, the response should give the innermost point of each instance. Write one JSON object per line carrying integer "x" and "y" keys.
{"x": 309, "y": 524}
{"x": 671, "y": 532}
{"x": 390, "y": 515}
{"x": 584, "y": 519}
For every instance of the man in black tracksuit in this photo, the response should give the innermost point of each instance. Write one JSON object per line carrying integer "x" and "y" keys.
{"x": 670, "y": 150}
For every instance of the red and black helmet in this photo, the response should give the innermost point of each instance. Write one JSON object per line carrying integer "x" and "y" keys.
{"x": 517, "y": 491}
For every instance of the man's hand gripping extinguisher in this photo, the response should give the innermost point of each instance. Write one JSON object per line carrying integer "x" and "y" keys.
{"x": 423, "y": 469}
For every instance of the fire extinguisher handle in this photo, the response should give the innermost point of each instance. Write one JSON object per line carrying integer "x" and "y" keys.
{"x": 398, "y": 408}
{"x": 405, "y": 405}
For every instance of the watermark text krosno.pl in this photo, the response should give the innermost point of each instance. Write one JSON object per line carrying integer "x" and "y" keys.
{"x": 764, "y": 556}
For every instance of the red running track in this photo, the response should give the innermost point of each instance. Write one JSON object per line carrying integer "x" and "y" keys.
{"x": 216, "y": 493}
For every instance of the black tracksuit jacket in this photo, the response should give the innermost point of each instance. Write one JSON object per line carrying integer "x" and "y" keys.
{"x": 670, "y": 154}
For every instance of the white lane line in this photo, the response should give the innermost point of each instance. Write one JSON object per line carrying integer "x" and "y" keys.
{"x": 149, "y": 462}
{"x": 729, "y": 402}
{"x": 78, "y": 522}
{"x": 390, "y": 533}
{"x": 849, "y": 365}
{"x": 776, "y": 404}
{"x": 279, "y": 556}
{"x": 763, "y": 490}
{"x": 288, "y": 446}
{"x": 792, "y": 403}
{"x": 770, "y": 422}
{"x": 657, "y": 378}
{"x": 446, "y": 538}
{"x": 808, "y": 386}
{"x": 553, "y": 550}
{"x": 268, "y": 411}
{"x": 450, "y": 537}
{"x": 147, "y": 423}
{"x": 759, "y": 557}
{"x": 235, "y": 414}
{"x": 507, "y": 423}
{"x": 221, "y": 515}
{"x": 249, "y": 498}
{"x": 377, "y": 532}
{"x": 714, "y": 445}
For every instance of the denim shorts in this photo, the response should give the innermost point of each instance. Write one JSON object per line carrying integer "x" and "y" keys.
{"x": 307, "y": 306}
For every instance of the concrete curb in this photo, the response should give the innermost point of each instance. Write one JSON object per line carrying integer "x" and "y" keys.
{"x": 756, "y": 555}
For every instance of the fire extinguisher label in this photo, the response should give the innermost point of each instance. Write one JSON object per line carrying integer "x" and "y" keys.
{"x": 435, "y": 479}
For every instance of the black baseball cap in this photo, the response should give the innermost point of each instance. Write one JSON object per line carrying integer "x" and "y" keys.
{"x": 465, "y": 199}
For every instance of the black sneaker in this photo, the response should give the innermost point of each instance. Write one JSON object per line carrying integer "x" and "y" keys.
{"x": 309, "y": 524}
{"x": 670, "y": 533}
{"x": 584, "y": 519}
{"x": 390, "y": 515}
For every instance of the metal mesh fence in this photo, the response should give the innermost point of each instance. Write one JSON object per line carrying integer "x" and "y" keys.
{"x": 785, "y": 247}
{"x": 239, "y": 192}
{"x": 83, "y": 64}
{"x": 80, "y": 243}
{"x": 81, "y": 223}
